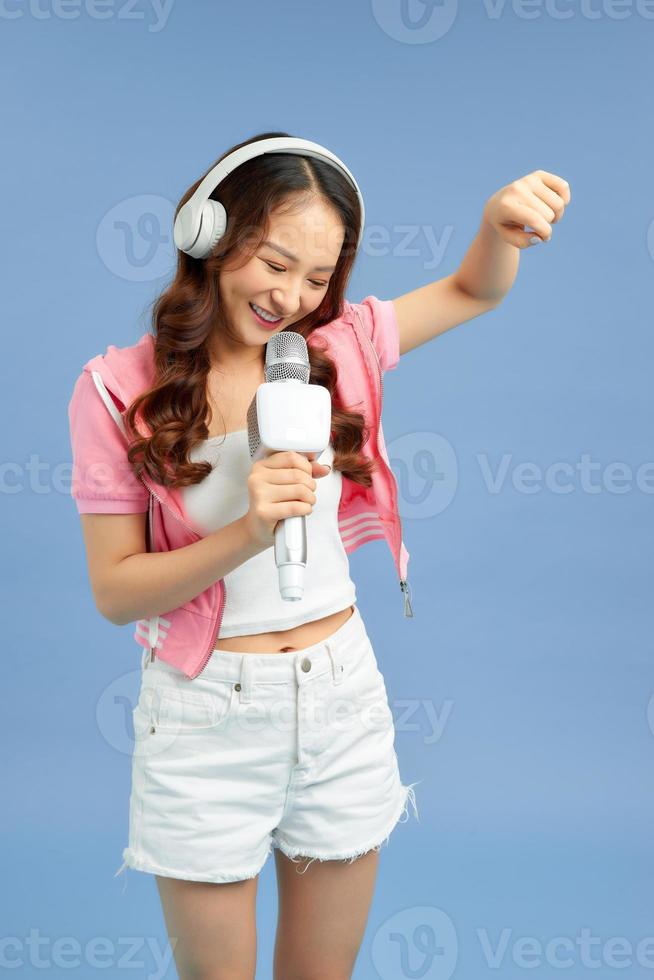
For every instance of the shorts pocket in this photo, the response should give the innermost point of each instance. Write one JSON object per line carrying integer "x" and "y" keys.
{"x": 181, "y": 712}
{"x": 141, "y": 722}
{"x": 143, "y": 728}
{"x": 142, "y": 714}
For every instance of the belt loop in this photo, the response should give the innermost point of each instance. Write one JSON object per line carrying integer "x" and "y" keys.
{"x": 246, "y": 678}
{"x": 337, "y": 668}
{"x": 145, "y": 657}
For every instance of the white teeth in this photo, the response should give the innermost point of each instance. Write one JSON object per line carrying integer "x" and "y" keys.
{"x": 264, "y": 314}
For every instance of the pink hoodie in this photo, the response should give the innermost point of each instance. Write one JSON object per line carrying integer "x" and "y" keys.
{"x": 363, "y": 343}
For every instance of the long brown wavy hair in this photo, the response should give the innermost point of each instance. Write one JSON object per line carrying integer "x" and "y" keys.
{"x": 190, "y": 309}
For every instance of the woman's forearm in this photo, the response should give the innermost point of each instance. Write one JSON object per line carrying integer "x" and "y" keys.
{"x": 154, "y": 583}
{"x": 490, "y": 265}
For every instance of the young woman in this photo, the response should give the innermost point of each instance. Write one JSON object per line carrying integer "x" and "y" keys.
{"x": 263, "y": 723}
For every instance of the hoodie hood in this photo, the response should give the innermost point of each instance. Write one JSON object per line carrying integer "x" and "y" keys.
{"x": 126, "y": 372}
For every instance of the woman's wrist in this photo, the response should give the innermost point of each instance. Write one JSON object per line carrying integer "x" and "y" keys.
{"x": 247, "y": 544}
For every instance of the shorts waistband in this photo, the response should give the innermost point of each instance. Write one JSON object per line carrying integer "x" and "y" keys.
{"x": 343, "y": 646}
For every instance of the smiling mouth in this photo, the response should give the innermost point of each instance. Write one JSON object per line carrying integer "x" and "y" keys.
{"x": 277, "y": 319}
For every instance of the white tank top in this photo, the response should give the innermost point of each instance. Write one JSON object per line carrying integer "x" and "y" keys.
{"x": 253, "y": 603}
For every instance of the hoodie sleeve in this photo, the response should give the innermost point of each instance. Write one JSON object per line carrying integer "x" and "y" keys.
{"x": 380, "y": 323}
{"x": 102, "y": 481}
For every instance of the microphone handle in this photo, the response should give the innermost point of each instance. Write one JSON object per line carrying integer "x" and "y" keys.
{"x": 291, "y": 555}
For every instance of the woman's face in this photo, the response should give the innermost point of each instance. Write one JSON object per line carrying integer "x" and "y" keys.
{"x": 288, "y": 281}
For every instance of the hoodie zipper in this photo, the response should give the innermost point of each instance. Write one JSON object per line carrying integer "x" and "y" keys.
{"x": 404, "y": 582}
{"x": 208, "y": 652}
{"x": 207, "y": 656}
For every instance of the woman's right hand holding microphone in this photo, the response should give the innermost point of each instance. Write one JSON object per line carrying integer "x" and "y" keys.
{"x": 280, "y": 485}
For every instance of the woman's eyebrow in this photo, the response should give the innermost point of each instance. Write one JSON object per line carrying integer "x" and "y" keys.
{"x": 293, "y": 258}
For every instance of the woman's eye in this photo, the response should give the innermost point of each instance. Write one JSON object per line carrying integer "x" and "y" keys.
{"x": 276, "y": 268}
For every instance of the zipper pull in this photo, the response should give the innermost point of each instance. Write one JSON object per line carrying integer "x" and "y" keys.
{"x": 406, "y": 589}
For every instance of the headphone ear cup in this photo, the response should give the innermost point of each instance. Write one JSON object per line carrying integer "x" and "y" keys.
{"x": 212, "y": 228}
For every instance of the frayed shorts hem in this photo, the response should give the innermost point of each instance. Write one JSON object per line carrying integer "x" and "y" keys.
{"x": 296, "y": 854}
{"x": 213, "y": 877}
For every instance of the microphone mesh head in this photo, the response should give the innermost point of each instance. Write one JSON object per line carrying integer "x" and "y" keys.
{"x": 287, "y": 357}
{"x": 253, "y": 427}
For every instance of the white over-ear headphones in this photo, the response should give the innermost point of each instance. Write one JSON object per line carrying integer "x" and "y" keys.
{"x": 201, "y": 222}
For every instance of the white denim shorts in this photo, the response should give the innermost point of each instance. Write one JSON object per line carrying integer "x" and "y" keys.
{"x": 292, "y": 750}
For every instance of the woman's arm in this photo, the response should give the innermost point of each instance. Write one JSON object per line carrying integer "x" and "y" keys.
{"x": 130, "y": 583}
{"x": 490, "y": 265}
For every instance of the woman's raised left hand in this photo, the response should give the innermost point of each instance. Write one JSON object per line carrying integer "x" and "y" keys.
{"x": 538, "y": 200}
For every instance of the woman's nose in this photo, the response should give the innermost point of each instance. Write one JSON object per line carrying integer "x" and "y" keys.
{"x": 286, "y": 304}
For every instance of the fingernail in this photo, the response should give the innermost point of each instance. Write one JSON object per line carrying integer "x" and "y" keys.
{"x": 534, "y": 240}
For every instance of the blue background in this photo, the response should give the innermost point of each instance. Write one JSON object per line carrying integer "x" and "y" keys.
{"x": 532, "y": 629}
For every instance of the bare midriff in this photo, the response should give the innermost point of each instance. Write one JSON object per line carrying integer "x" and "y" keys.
{"x": 283, "y": 641}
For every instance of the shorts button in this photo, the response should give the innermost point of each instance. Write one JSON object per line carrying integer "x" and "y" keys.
{"x": 306, "y": 664}
{"x": 237, "y": 687}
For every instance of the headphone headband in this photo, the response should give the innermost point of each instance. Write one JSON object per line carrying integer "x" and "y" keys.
{"x": 201, "y": 222}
